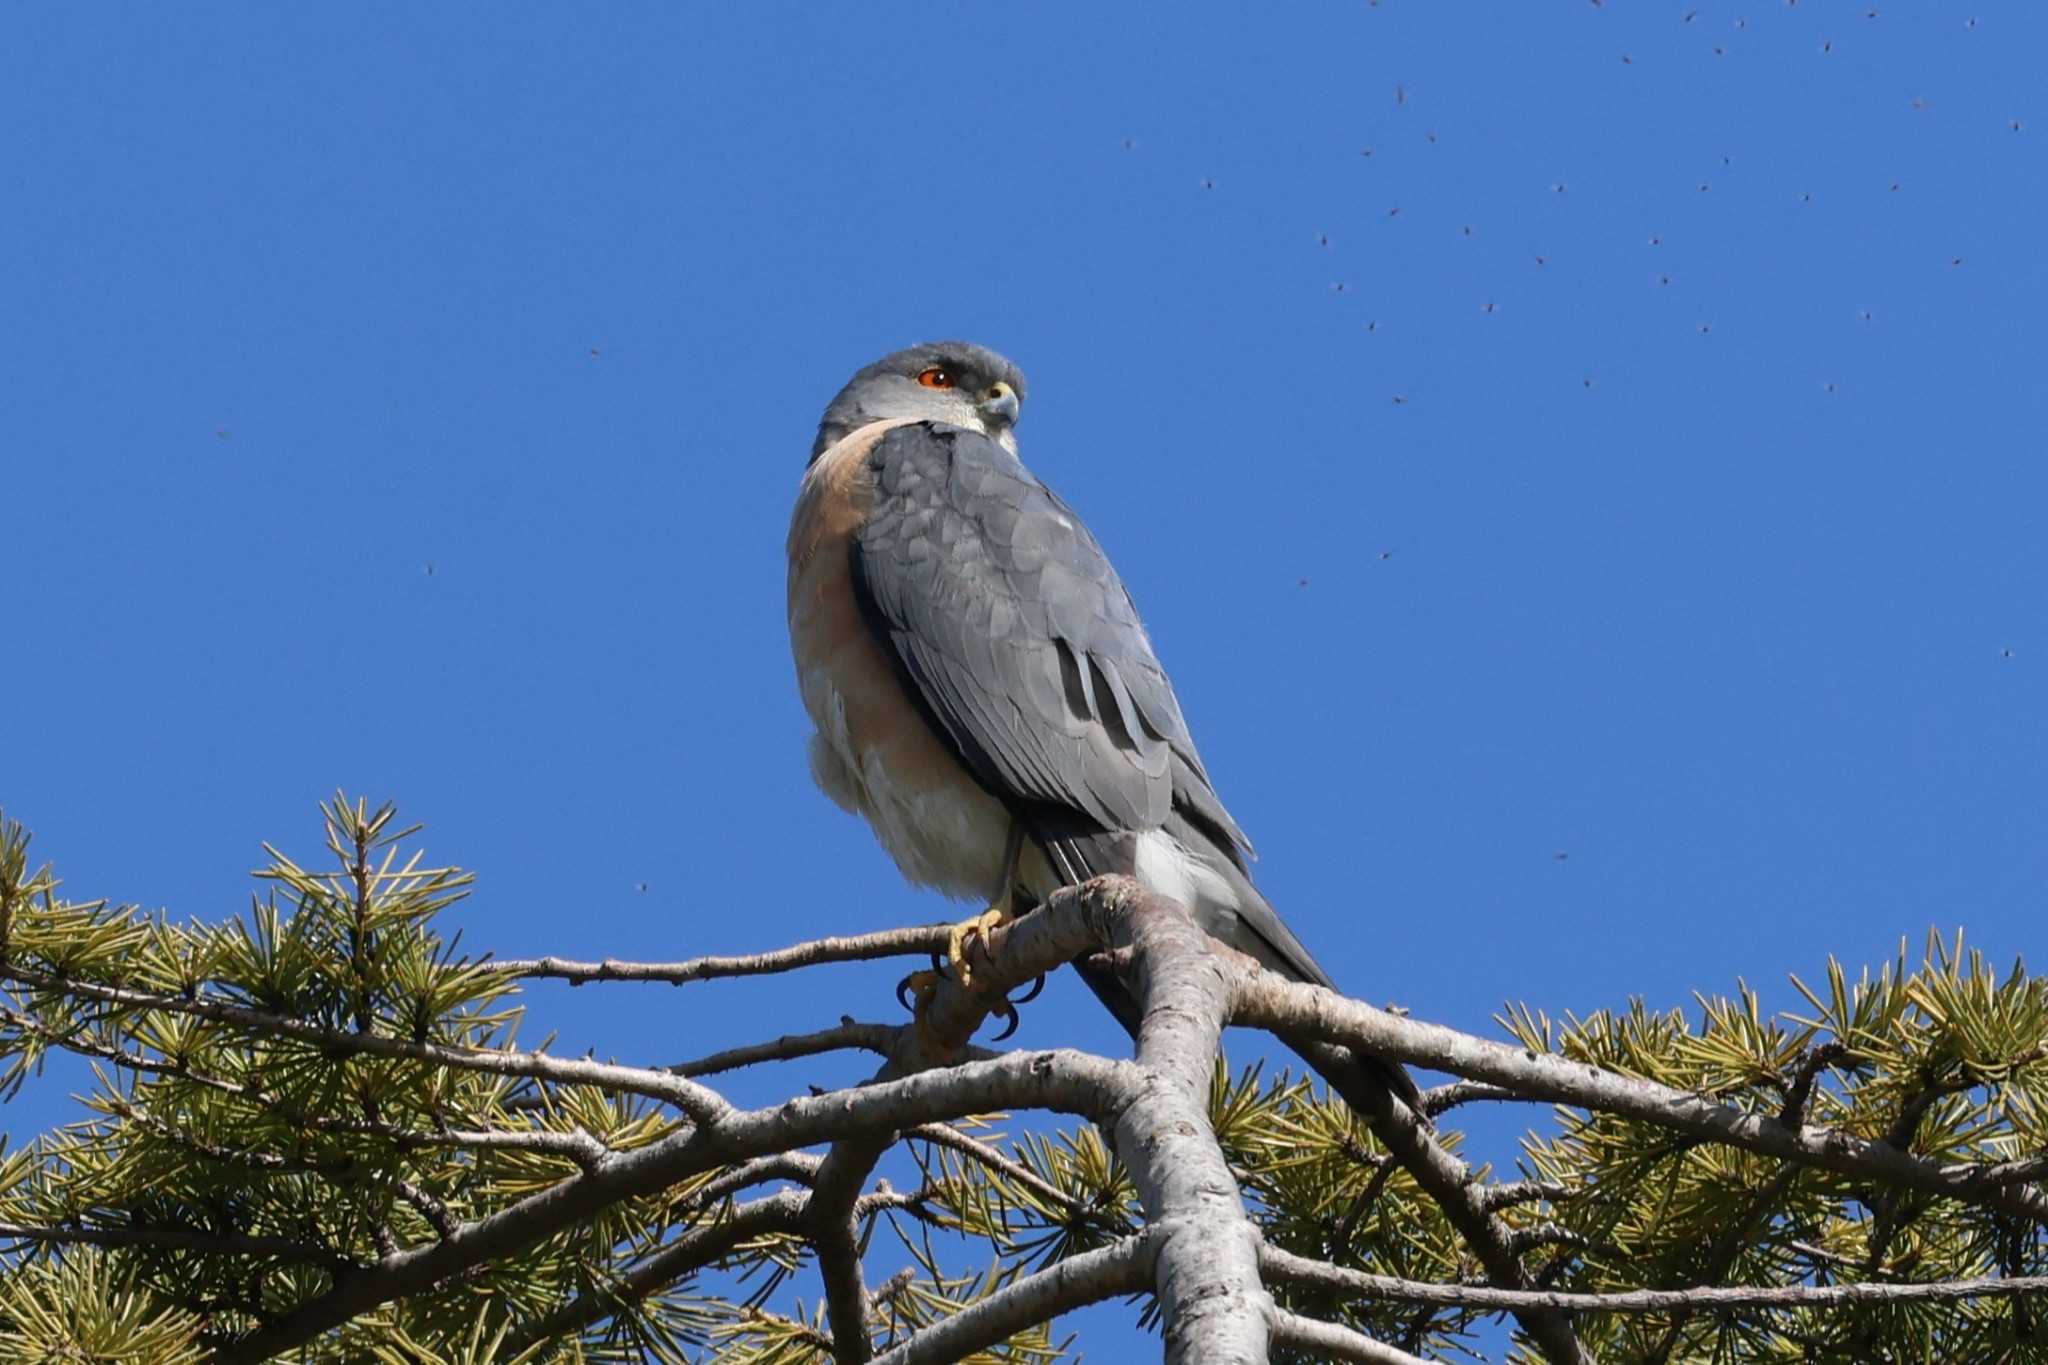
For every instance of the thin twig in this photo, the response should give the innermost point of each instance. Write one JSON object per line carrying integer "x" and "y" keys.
{"x": 1800, "y": 1091}
{"x": 849, "y": 1035}
{"x": 695, "y": 1100}
{"x": 1125, "y": 1266}
{"x": 691, "y": 1251}
{"x": 946, "y": 1135}
{"x": 1331, "y": 1342}
{"x": 1906, "y": 1126}
{"x": 576, "y": 1145}
{"x": 1292, "y": 1269}
{"x": 85, "y": 1046}
{"x": 1522, "y": 1241}
{"x": 799, "y": 1168}
{"x": 429, "y": 1206}
{"x": 178, "y": 1239}
{"x": 1354, "y": 1217}
{"x": 1441, "y": 1099}
{"x": 1448, "y": 1182}
{"x": 1726, "y": 1249}
{"x": 1512, "y": 1192}
{"x": 917, "y": 941}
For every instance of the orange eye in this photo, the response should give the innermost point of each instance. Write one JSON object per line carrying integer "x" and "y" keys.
{"x": 937, "y": 377}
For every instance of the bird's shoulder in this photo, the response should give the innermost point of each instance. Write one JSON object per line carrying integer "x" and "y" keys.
{"x": 962, "y": 495}
{"x": 937, "y": 461}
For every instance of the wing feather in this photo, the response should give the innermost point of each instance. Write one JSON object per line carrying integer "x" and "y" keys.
{"x": 1019, "y": 640}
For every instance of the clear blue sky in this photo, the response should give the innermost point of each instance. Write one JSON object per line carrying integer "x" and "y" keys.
{"x": 1618, "y": 571}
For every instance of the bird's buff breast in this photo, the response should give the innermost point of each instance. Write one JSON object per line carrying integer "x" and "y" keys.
{"x": 874, "y": 753}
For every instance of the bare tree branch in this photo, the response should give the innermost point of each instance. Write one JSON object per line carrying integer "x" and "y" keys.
{"x": 946, "y": 1135}
{"x": 1511, "y": 1192}
{"x": 835, "y": 1235}
{"x": 1288, "y": 1268}
{"x": 1800, "y": 1090}
{"x": 1267, "y": 1001}
{"x": 691, "y": 1251}
{"x": 1446, "y": 1180}
{"x": 1334, "y": 1342}
{"x": 1199, "y": 1253}
{"x": 1213, "y": 1304}
{"x": 799, "y": 1168}
{"x": 918, "y": 941}
{"x": 1068, "y": 1082}
{"x": 2021, "y": 1172}
{"x": 1441, "y": 1099}
{"x": 1123, "y": 1267}
{"x": 695, "y": 1100}
{"x": 576, "y": 1145}
{"x": 178, "y": 1239}
{"x": 947, "y": 1019}
{"x": 1728, "y": 1246}
{"x": 879, "y": 1039}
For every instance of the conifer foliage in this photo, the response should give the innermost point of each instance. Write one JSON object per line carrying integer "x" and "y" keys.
{"x": 313, "y": 1131}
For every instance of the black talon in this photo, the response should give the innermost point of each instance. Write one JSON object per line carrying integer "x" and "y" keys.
{"x": 1031, "y": 991}
{"x": 938, "y": 962}
{"x": 903, "y": 996}
{"x": 1005, "y": 1011}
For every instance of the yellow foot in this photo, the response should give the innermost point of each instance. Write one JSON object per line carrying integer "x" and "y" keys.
{"x": 914, "y": 992}
{"x": 966, "y": 931}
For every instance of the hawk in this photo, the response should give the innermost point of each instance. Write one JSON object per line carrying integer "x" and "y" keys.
{"x": 984, "y": 693}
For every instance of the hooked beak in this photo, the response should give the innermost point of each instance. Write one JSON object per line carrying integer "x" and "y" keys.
{"x": 998, "y": 407}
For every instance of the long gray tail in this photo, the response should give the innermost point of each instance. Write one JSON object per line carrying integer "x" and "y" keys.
{"x": 1244, "y": 919}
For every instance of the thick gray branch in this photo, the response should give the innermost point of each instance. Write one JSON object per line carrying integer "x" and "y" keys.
{"x": 695, "y": 1100}
{"x": 1267, "y": 1001}
{"x": 913, "y": 942}
{"x": 1200, "y": 1254}
{"x": 1068, "y": 1082}
{"x": 947, "y": 1019}
{"x": 1336, "y": 1343}
{"x": 1122, "y": 1267}
{"x": 1215, "y": 1307}
{"x": 1292, "y": 1269}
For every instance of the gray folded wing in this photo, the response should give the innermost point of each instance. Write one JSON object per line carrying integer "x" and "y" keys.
{"x": 1019, "y": 639}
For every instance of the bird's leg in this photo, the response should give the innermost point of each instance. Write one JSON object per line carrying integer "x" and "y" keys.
{"x": 915, "y": 990}
{"x": 1001, "y": 912}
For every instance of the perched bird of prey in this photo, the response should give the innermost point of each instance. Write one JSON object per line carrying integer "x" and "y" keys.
{"x": 984, "y": 692}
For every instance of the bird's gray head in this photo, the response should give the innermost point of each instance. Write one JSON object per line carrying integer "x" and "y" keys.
{"x": 941, "y": 381}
